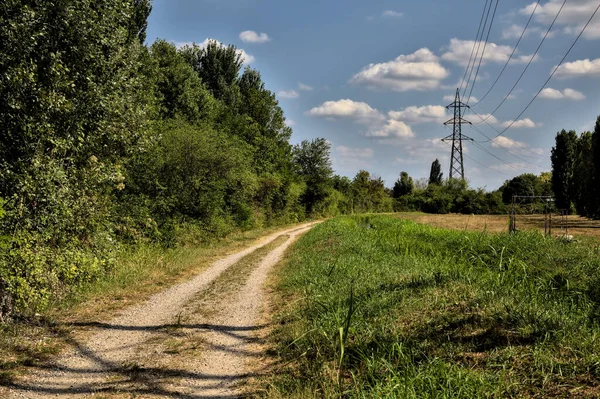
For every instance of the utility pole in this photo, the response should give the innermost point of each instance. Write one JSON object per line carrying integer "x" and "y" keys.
{"x": 457, "y": 169}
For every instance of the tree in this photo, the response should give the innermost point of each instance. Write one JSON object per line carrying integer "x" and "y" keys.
{"x": 403, "y": 186}
{"x": 582, "y": 178}
{"x": 595, "y": 189}
{"x": 139, "y": 20}
{"x": 435, "y": 175}
{"x": 563, "y": 162}
{"x": 526, "y": 184}
{"x": 180, "y": 90}
{"x": 313, "y": 164}
{"x": 218, "y": 66}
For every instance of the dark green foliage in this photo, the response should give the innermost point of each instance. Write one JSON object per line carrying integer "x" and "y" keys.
{"x": 139, "y": 19}
{"x": 311, "y": 159}
{"x": 595, "y": 188}
{"x": 583, "y": 176}
{"x": 563, "y": 165}
{"x": 526, "y": 184}
{"x": 435, "y": 175}
{"x": 403, "y": 186}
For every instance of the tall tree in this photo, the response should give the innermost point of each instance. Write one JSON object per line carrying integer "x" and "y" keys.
{"x": 595, "y": 189}
{"x": 435, "y": 175}
{"x": 139, "y": 19}
{"x": 403, "y": 186}
{"x": 313, "y": 163}
{"x": 582, "y": 175}
{"x": 563, "y": 163}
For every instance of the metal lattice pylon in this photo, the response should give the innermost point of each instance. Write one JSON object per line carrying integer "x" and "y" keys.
{"x": 457, "y": 169}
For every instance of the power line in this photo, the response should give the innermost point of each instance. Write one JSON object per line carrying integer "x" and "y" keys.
{"x": 534, "y": 155}
{"x": 483, "y": 52}
{"x": 529, "y": 63}
{"x": 551, "y": 75}
{"x": 482, "y": 164}
{"x": 505, "y": 148}
{"x": 474, "y": 43}
{"x": 511, "y": 55}
{"x": 478, "y": 42}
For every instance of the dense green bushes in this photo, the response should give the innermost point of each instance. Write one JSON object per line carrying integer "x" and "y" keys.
{"x": 107, "y": 143}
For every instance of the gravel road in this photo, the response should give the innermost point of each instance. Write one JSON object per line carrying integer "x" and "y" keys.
{"x": 107, "y": 365}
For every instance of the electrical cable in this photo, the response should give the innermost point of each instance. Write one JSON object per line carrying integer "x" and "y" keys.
{"x": 483, "y": 52}
{"x": 478, "y": 42}
{"x": 551, "y": 75}
{"x": 511, "y": 55}
{"x": 529, "y": 63}
{"x": 474, "y": 44}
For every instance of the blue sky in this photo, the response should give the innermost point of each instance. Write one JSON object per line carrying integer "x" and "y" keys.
{"x": 374, "y": 77}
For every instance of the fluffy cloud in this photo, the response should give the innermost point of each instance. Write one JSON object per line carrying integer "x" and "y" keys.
{"x": 392, "y": 129}
{"x": 477, "y": 118}
{"x": 391, "y": 14}
{"x": 249, "y": 36}
{"x": 288, "y": 94}
{"x": 579, "y": 68}
{"x": 424, "y": 114}
{"x": 358, "y": 111}
{"x": 459, "y": 51}
{"x": 573, "y": 15}
{"x": 246, "y": 58}
{"x": 347, "y": 152}
{"x": 569, "y": 94}
{"x": 512, "y": 32}
{"x": 418, "y": 71}
{"x": 514, "y": 145}
{"x": 304, "y": 87}
{"x": 521, "y": 123}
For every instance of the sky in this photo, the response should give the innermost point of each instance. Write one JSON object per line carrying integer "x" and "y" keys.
{"x": 374, "y": 78}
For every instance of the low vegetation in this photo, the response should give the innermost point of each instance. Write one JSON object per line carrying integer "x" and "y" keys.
{"x": 382, "y": 307}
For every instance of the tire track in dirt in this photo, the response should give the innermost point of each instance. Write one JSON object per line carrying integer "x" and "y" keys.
{"x": 89, "y": 369}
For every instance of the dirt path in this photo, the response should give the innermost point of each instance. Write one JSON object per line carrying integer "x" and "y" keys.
{"x": 128, "y": 356}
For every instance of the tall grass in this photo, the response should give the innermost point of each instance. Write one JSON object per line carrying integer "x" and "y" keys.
{"x": 388, "y": 308}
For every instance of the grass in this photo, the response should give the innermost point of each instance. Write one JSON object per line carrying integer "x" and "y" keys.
{"x": 140, "y": 272}
{"x": 382, "y": 307}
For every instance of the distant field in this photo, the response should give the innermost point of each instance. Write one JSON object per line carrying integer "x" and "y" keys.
{"x": 378, "y": 307}
{"x": 575, "y": 225}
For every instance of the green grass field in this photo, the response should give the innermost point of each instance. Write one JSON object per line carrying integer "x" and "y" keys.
{"x": 377, "y": 307}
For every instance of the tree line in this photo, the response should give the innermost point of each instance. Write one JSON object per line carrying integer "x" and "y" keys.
{"x": 108, "y": 142}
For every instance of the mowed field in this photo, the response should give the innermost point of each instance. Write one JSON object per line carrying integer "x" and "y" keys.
{"x": 379, "y": 307}
{"x": 572, "y": 225}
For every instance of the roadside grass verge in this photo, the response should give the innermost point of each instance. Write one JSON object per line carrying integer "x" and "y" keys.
{"x": 381, "y": 307}
{"x": 139, "y": 272}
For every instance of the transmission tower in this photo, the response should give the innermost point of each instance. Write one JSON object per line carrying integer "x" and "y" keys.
{"x": 457, "y": 169}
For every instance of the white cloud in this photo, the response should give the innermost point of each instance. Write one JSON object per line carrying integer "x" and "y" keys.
{"x": 392, "y": 129}
{"x": 512, "y": 32}
{"x": 477, "y": 118}
{"x": 290, "y": 122}
{"x": 347, "y": 152}
{"x": 579, "y": 68}
{"x": 424, "y": 114}
{"x": 514, "y": 145}
{"x": 246, "y": 58}
{"x": 304, "y": 87}
{"x": 521, "y": 123}
{"x": 288, "y": 94}
{"x": 459, "y": 51}
{"x": 358, "y": 111}
{"x": 392, "y": 14}
{"x": 249, "y": 36}
{"x": 553, "y": 94}
{"x": 573, "y": 15}
{"x": 418, "y": 71}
